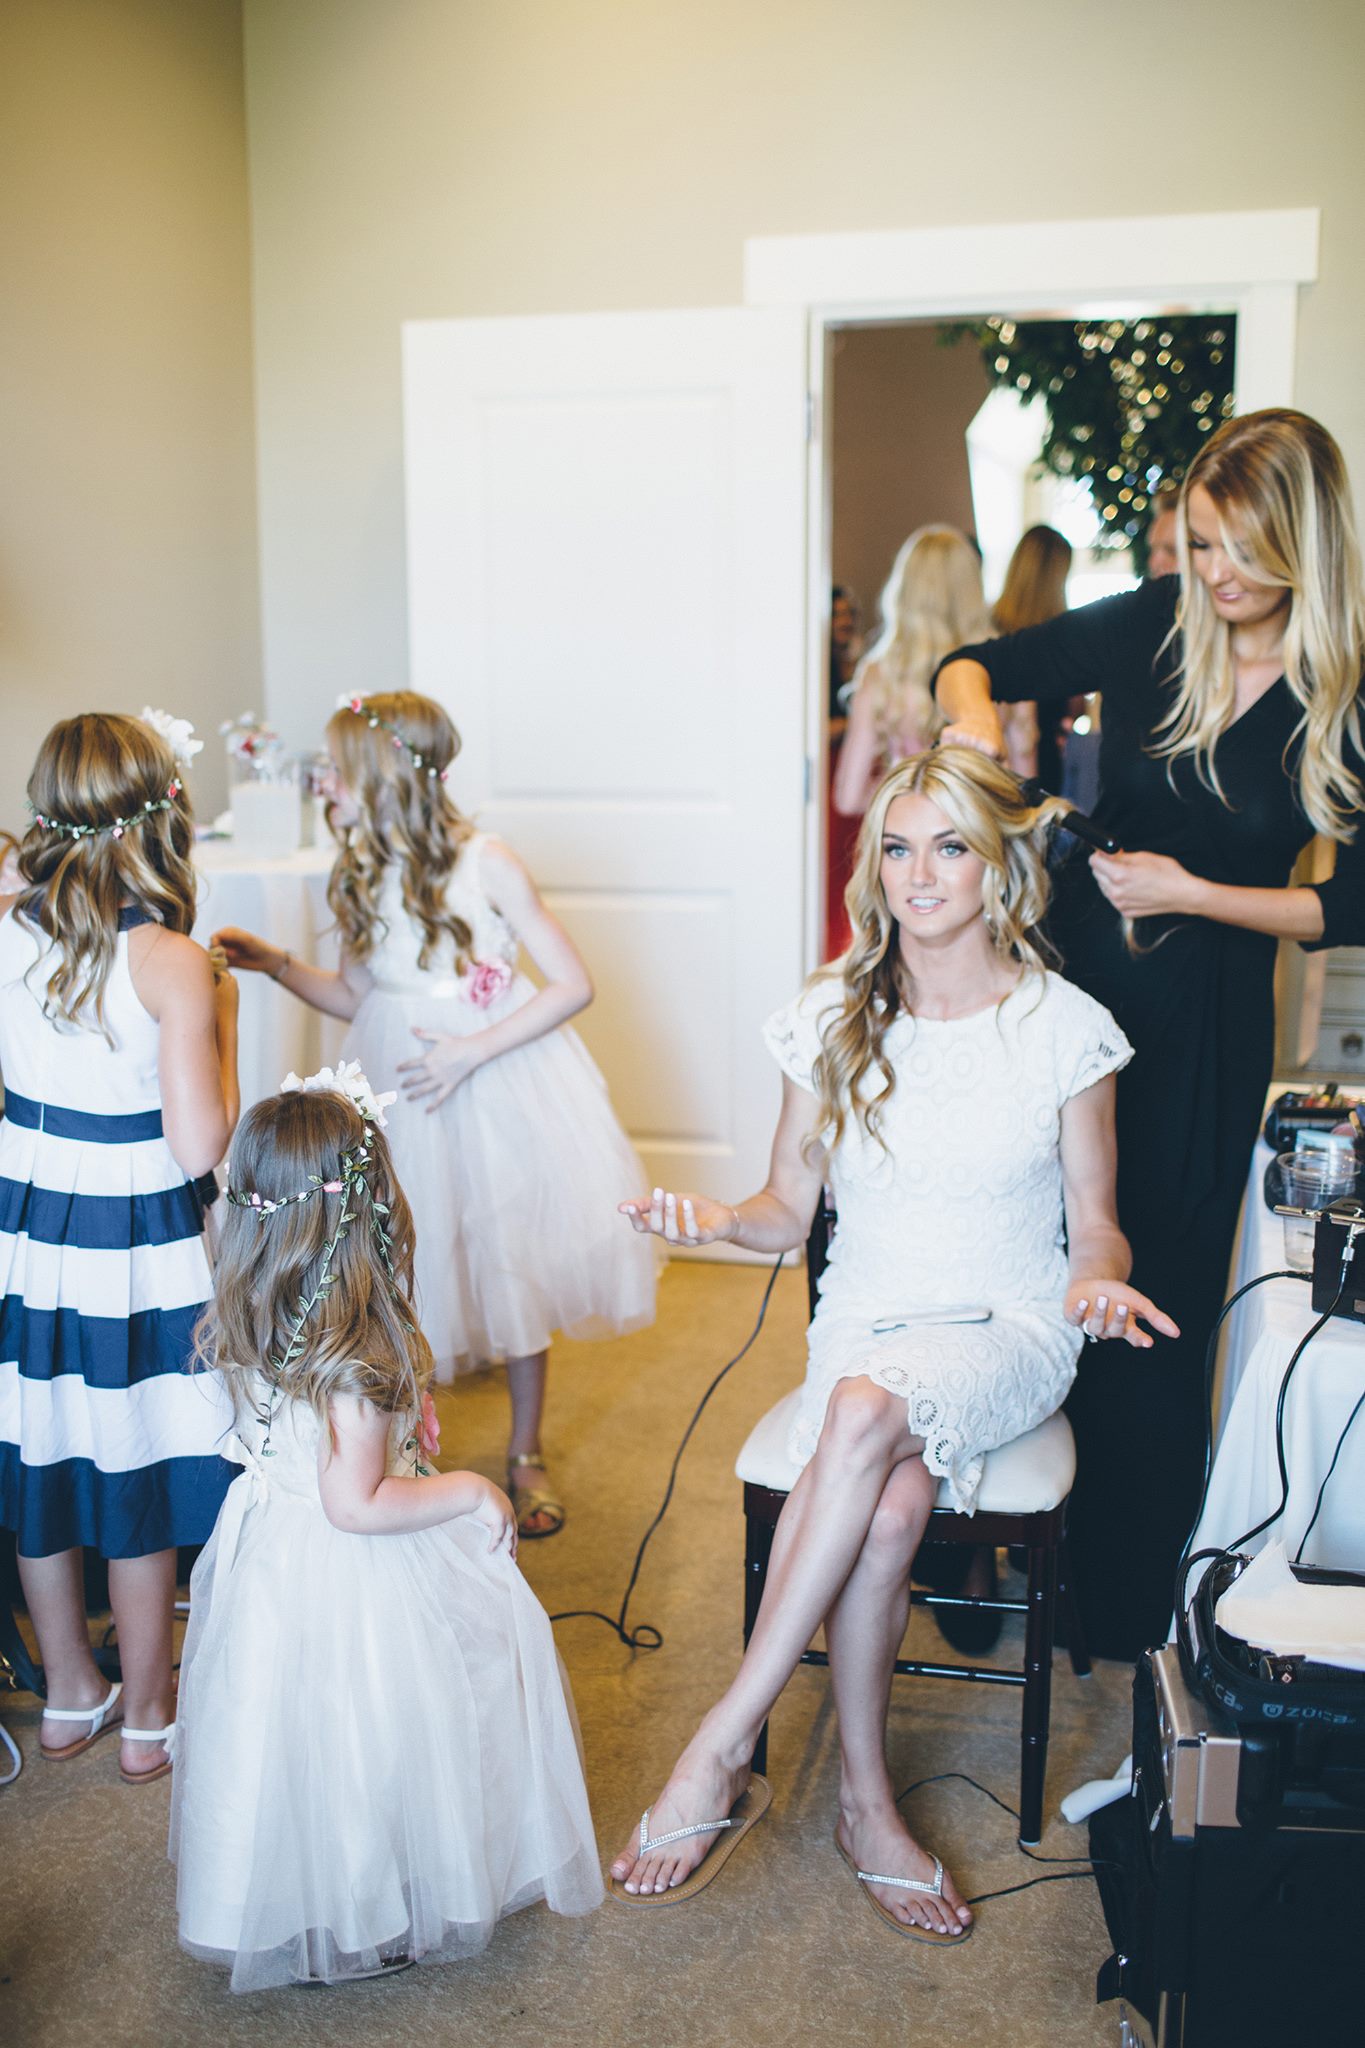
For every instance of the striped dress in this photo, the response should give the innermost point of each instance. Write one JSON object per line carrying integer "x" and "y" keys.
{"x": 105, "y": 1439}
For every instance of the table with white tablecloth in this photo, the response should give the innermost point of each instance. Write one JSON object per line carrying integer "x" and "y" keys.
{"x": 283, "y": 900}
{"x": 1329, "y": 1380}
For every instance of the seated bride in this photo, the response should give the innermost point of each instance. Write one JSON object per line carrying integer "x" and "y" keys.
{"x": 958, "y": 1096}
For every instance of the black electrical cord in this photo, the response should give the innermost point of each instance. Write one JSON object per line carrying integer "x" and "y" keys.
{"x": 1317, "y": 1506}
{"x": 1189, "y": 1560}
{"x": 1198, "y": 1557}
{"x": 1210, "y": 1357}
{"x": 1299, "y": 1349}
{"x": 644, "y": 1636}
{"x": 1092, "y": 1863}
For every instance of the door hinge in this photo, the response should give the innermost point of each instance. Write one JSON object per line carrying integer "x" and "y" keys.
{"x": 810, "y": 416}
{"x": 807, "y": 779}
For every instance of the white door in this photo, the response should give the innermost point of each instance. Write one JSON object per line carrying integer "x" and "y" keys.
{"x": 606, "y": 541}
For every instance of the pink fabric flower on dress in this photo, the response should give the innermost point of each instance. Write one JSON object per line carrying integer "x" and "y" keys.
{"x": 429, "y": 1429}
{"x": 486, "y": 980}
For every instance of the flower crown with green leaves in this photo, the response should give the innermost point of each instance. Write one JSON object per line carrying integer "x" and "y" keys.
{"x": 361, "y": 707}
{"x": 347, "y": 1080}
{"x": 179, "y": 736}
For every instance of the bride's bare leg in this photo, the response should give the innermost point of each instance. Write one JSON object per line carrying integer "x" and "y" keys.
{"x": 819, "y": 1537}
{"x": 863, "y": 1631}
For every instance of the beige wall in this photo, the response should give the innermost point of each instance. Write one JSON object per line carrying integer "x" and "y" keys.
{"x": 901, "y": 408}
{"x": 423, "y": 157}
{"x": 127, "y": 492}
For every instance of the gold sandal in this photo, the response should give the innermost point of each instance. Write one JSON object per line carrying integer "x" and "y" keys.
{"x": 530, "y": 1501}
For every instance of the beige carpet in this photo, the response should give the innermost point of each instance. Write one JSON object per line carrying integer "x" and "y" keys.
{"x": 781, "y": 1950}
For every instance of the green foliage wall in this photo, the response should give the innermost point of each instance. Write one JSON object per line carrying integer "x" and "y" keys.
{"x": 1128, "y": 401}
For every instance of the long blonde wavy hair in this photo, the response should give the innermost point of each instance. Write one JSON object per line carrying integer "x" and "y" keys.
{"x": 362, "y": 1338}
{"x": 933, "y": 602}
{"x": 405, "y": 816}
{"x": 92, "y": 770}
{"x": 982, "y": 801}
{"x": 1279, "y": 483}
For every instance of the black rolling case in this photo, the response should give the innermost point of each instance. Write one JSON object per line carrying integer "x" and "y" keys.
{"x": 1226, "y": 1935}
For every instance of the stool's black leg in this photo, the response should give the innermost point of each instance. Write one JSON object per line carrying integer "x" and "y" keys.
{"x": 1038, "y": 1638}
{"x": 758, "y": 1543}
{"x": 1068, "y": 1606}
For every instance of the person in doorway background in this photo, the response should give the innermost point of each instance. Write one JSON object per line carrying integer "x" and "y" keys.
{"x": 933, "y": 597}
{"x": 845, "y": 645}
{"x": 1034, "y": 591}
{"x": 1163, "y": 553}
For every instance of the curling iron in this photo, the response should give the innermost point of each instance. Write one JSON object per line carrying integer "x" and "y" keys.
{"x": 1075, "y": 822}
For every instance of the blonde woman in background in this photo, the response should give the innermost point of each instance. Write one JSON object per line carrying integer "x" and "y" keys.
{"x": 1232, "y": 733}
{"x": 933, "y": 600}
{"x": 958, "y": 1097}
{"x": 1034, "y": 592}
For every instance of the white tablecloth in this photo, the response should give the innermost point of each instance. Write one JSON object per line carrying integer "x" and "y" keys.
{"x": 285, "y": 901}
{"x": 1327, "y": 1383}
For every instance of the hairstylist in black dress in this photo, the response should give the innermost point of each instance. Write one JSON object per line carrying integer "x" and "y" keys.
{"x": 1231, "y": 733}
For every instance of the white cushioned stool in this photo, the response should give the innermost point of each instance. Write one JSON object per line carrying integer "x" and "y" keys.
{"x": 1021, "y": 1501}
{"x": 1027, "y": 1477}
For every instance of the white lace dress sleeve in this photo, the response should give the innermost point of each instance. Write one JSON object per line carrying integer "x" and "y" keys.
{"x": 1089, "y": 1042}
{"x": 793, "y": 1033}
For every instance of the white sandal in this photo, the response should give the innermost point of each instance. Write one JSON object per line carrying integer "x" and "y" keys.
{"x": 912, "y": 1929}
{"x": 746, "y": 1812}
{"x": 100, "y": 1724}
{"x": 166, "y": 1735}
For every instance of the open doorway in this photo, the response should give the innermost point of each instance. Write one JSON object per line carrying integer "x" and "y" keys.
{"x": 994, "y": 428}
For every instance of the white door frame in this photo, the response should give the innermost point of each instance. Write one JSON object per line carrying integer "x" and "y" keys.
{"x": 1249, "y": 264}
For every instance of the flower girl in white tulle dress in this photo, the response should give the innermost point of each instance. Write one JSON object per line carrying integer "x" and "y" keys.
{"x": 506, "y": 1140}
{"x": 376, "y": 1753}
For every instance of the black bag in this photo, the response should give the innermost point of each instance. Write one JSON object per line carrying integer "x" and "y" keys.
{"x": 1233, "y": 1937}
{"x": 1255, "y": 1689}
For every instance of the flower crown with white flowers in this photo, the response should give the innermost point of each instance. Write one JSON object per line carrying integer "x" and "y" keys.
{"x": 347, "y": 1080}
{"x": 361, "y": 707}
{"x": 178, "y": 734}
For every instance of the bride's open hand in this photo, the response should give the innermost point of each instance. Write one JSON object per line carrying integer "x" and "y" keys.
{"x": 1111, "y": 1308}
{"x": 683, "y": 1219}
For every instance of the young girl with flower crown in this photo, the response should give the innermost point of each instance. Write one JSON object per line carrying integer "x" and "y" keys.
{"x": 376, "y": 1752}
{"x": 512, "y": 1157}
{"x": 118, "y": 1047}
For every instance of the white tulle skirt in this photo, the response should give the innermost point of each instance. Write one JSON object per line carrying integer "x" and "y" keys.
{"x": 376, "y": 1752}
{"x": 514, "y": 1184}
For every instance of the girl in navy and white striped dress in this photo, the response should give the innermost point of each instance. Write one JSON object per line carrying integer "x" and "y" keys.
{"x": 118, "y": 1053}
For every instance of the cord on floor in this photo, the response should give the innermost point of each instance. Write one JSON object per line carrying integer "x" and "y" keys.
{"x": 1092, "y": 1864}
{"x": 644, "y": 1636}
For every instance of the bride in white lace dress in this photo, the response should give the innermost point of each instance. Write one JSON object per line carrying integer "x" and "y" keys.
{"x": 959, "y": 1098}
